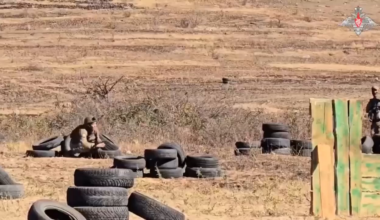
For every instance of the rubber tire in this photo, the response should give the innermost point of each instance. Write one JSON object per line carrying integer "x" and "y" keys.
{"x": 102, "y": 153}
{"x": 148, "y": 208}
{"x": 277, "y": 134}
{"x": 15, "y": 191}
{"x": 160, "y": 154}
{"x": 162, "y": 164}
{"x": 104, "y": 177}
{"x": 272, "y": 127}
{"x": 104, "y": 213}
{"x": 48, "y": 143}
{"x": 202, "y": 172}
{"x": 110, "y": 144}
{"x": 180, "y": 152}
{"x": 167, "y": 173}
{"x": 306, "y": 153}
{"x": 40, "y": 153}
{"x": 298, "y": 145}
{"x": 129, "y": 162}
{"x": 5, "y": 179}
{"x": 270, "y": 144}
{"x": 282, "y": 151}
{"x": 367, "y": 145}
{"x": 242, "y": 151}
{"x": 96, "y": 196}
{"x": 38, "y": 211}
{"x": 241, "y": 144}
{"x": 205, "y": 161}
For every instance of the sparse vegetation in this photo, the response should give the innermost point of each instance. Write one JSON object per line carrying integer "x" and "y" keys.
{"x": 152, "y": 72}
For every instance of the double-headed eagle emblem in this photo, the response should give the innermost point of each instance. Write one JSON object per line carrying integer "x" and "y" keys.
{"x": 359, "y": 22}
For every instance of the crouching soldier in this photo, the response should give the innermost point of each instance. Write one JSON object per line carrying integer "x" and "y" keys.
{"x": 86, "y": 137}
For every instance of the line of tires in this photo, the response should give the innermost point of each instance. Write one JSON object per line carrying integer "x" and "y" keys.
{"x": 9, "y": 189}
{"x": 102, "y": 194}
{"x": 46, "y": 148}
{"x": 168, "y": 161}
{"x": 276, "y": 140}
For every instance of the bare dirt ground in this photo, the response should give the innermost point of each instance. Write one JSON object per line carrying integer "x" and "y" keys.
{"x": 56, "y": 55}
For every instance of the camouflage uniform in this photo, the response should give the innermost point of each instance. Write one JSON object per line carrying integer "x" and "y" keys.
{"x": 85, "y": 137}
{"x": 373, "y": 111}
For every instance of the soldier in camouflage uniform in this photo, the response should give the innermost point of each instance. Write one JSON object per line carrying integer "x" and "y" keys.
{"x": 86, "y": 137}
{"x": 373, "y": 111}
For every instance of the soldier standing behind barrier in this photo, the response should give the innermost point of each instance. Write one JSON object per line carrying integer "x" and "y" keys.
{"x": 373, "y": 111}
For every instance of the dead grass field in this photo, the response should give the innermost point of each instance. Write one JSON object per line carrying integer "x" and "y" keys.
{"x": 57, "y": 56}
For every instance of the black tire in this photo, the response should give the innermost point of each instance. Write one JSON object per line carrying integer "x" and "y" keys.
{"x": 148, "y": 208}
{"x": 205, "y": 161}
{"x": 5, "y": 179}
{"x": 202, "y": 172}
{"x": 15, "y": 191}
{"x": 282, "y": 151}
{"x": 273, "y": 127}
{"x": 305, "y": 153}
{"x": 269, "y": 144}
{"x": 277, "y": 134}
{"x": 367, "y": 145}
{"x": 104, "y": 213}
{"x": 180, "y": 152}
{"x": 102, "y": 153}
{"x": 242, "y": 151}
{"x": 96, "y": 196}
{"x": 40, "y": 153}
{"x": 162, "y": 164}
{"x": 129, "y": 162}
{"x": 298, "y": 145}
{"x": 166, "y": 173}
{"x": 160, "y": 154}
{"x": 47, "y": 210}
{"x": 48, "y": 143}
{"x": 104, "y": 177}
{"x": 241, "y": 144}
{"x": 110, "y": 144}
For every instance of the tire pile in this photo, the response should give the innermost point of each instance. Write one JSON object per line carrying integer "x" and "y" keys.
{"x": 103, "y": 194}
{"x": 246, "y": 149}
{"x": 202, "y": 167}
{"x": 9, "y": 189}
{"x": 301, "y": 148}
{"x": 276, "y": 139}
{"x": 45, "y": 147}
{"x": 169, "y": 161}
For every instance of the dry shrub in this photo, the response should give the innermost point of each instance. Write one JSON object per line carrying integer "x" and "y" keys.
{"x": 173, "y": 117}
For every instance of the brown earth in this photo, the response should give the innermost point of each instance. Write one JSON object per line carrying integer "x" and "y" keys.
{"x": 58, "y": 56}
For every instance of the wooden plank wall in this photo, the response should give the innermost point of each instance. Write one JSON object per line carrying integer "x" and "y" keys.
{"x": 321, "y": 111}
{"x": 342, "y": 156}
{"x": 355, "y": 122}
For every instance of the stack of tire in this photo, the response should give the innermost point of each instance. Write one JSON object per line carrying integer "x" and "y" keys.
{"x": 45, "y": 147}
{"x": 101, "y": 193}
{"x": 9, "y": 189}
{"x": 139, "y": 204}
{"x": 301, "y": 148}
{"x": 276, "y": 139}
{"x": 132, "y": 162}
{"x": 167, "y": 161}
{"x": 205, "y": 166}
{"x": 246, "y": 149}
{"x": 110, "y": 150}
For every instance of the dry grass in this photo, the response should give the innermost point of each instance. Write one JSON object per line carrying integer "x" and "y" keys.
{"x": 171, "y": 57}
